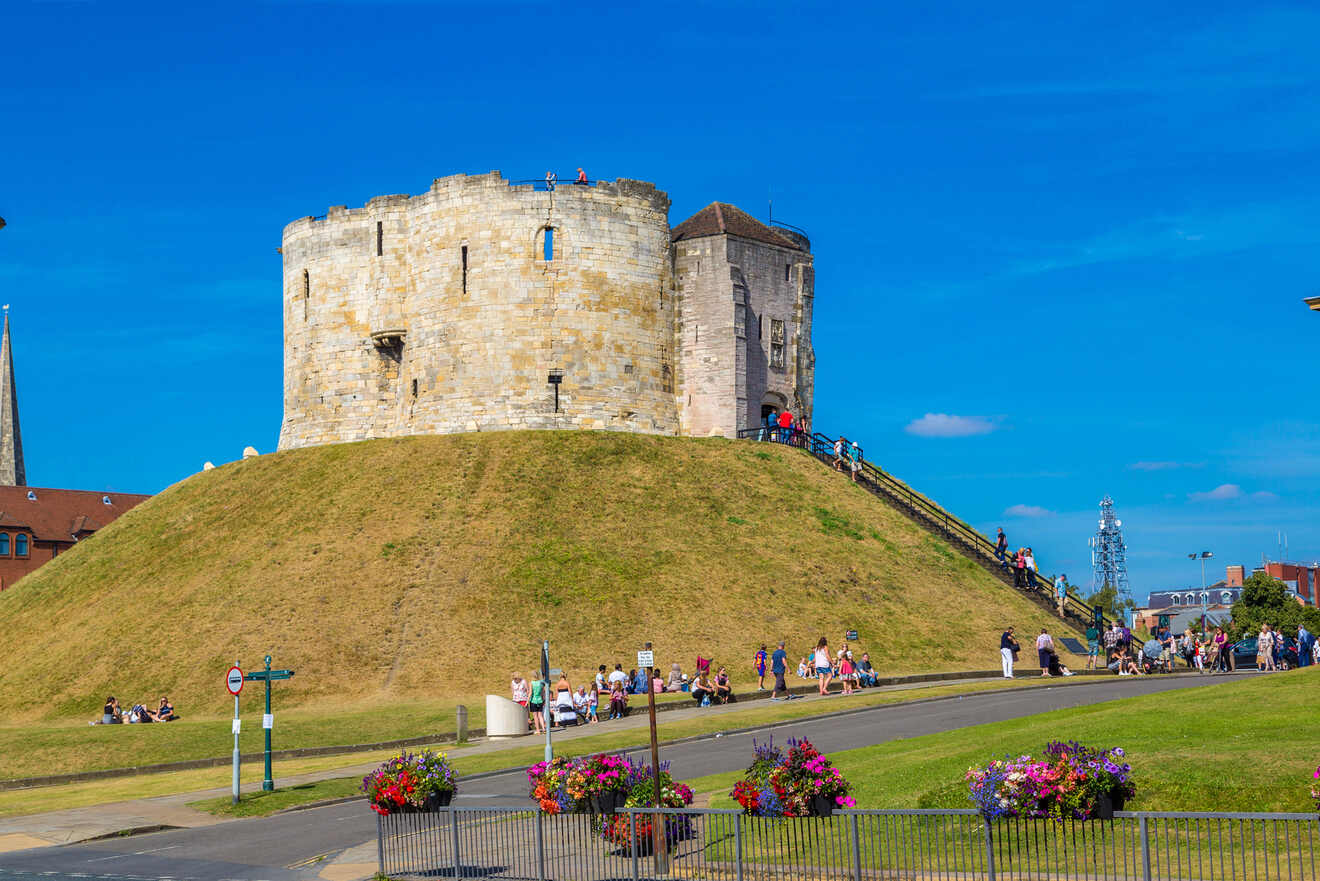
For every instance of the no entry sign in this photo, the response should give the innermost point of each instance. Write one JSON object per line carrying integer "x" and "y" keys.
{"x": 234, "y": 681}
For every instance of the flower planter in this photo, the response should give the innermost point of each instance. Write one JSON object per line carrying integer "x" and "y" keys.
{"x": 608, "y": 802}
{"x": 822, "y": 806}
{"x": 437, "y": 800}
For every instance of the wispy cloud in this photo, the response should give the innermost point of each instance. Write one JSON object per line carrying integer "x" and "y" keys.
{"x": 1027, "y": 511}
{"x": 1226, "y": 491}
{"x": 949, "y": 425}
{"x": 1163, "y": 466}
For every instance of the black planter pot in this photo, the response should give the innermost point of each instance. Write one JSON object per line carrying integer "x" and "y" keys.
{"x": 436, "y": 800}
{"x": 608, "y": 802}
{"x": 1106, "y": 804}
{"x": 822, "y": 806}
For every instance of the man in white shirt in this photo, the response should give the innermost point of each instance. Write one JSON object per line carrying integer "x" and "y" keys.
{"x": 618, "y": 676}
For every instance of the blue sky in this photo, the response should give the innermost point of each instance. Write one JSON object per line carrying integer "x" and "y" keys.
{"x": 1060, "y": 249}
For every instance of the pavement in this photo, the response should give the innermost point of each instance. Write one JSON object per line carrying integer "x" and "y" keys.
{"x": 337, "y": 842}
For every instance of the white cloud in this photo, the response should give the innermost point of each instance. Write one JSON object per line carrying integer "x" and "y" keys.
{"x": 1163, "y": 466}
{"x": 1027, "y": 511}
{"x": 1219, "y": 493}
{"x": 948, "y": 425}
{"x": 1226, "y": 491}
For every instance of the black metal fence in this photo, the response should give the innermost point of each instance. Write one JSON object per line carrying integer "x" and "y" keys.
{"x": 849, "y": 846}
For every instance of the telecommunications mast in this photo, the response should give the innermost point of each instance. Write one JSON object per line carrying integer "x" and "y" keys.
{"x": 1109, "y": 553}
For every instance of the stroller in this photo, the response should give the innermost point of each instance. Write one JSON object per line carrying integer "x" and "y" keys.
{"x": 1152, "y": 657}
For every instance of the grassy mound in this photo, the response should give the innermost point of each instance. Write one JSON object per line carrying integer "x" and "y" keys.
{"x": 431, "y": 567}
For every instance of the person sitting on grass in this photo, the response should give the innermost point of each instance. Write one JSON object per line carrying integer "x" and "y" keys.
{"x": 165, "y": 712}
{"x": 702, "y": 690}
{"x": 582, "y": 705}
{"x": 111, "y": 714}
{"x": 618, "y": 700}
{"x": 676, "y": 678}
{"x": 723, "y": 689}
{"x": 658, "y": 682}
{"x": 804, "y": 668}
{"x": 1056, "y": 666}
{"x": 1123, "y": 664}
{"x": 866, "y": 672}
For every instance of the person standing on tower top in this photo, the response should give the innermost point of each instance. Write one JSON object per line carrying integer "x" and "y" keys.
{"x": 550, "y": 180}
{"x": 581, "y": 178}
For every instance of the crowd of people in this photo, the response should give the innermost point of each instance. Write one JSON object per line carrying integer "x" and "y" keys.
{"x": 606, "y": 695}
{"x": 113, "y": 714}
{"x": 1127, "y": 655}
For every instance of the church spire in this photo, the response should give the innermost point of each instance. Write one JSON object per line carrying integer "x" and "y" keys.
{"x": 11, "y": 440}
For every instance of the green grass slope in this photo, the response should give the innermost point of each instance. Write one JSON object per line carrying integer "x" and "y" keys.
{"x": 430, "y": 567}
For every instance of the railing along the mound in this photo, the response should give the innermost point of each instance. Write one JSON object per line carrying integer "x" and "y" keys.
{"x": 982, "y": 549}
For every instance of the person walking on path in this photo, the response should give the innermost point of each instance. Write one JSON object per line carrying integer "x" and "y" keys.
{"x": 824, "y": 669}
{"x": 1304, "y": 640}
{"x": 1092, "y": 645}
{"x": 1031, "y": 569}
{"x": 1008, "y": 649}
{"x": 1020, "y": 568}
{"x": 779, "y": 667}
{"x": 1060, "y": 592}
{"x": 536, "y": 705}
{"x": 758, "y": 664}
{"x": 1044, "y": 648}
{"x": 771, "y": 420}
{"x": 785, "y": 427}
{"x": 1264, "y": 649}
{"x": 1001, "y": 549}
{"x": 855, "y": 457}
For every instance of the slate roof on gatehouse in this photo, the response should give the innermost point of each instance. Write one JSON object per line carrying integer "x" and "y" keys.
{"x": 721, "y": 218}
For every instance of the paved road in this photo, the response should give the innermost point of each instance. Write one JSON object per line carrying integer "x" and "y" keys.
{"x": 273, "y": 848}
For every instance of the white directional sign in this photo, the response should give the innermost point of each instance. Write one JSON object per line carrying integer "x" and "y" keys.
{"x": 268, "y": 721}
{"x": 646, "y": 659}
{"x": 234, "y": 681}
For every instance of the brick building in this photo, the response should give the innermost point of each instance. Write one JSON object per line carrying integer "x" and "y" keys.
{"x": 38, "y": 524}
{"x": 1300, "y": 578}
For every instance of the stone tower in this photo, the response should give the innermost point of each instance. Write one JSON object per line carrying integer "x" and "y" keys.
{"x": 746, "y": 292}
{"x": 484, "y": 304}
{"x": 12, "y": 472}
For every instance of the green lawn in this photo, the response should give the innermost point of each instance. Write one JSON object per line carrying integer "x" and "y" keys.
{"x": 1246, "y": 746}
{"x": 40, "y": 750}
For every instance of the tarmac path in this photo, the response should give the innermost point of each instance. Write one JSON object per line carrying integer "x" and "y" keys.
{"x": 305, "y": 844}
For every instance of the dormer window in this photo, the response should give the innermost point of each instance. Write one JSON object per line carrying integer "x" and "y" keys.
{"x": 1177, "y": 600}
{"x": 32, "y": 496}
{"x": 4, "y": 544}
{"x": 105, "y": 500}
{"x": 1226, "y": 598}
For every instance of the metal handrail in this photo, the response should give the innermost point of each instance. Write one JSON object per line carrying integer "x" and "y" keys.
{"x": 796, "y": 229}
{"x": 822, "y": 447}
{"x": 543, "y": 186}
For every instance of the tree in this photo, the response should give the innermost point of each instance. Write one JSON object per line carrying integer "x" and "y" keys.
{"x": 1107, "y": 599}
{"x": 1265, "y": 600}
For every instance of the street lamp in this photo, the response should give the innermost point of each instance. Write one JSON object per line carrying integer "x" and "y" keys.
{"x": 1203, "y": 556}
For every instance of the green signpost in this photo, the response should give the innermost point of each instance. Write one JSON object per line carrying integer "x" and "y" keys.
{"x": 268, "y": 721}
